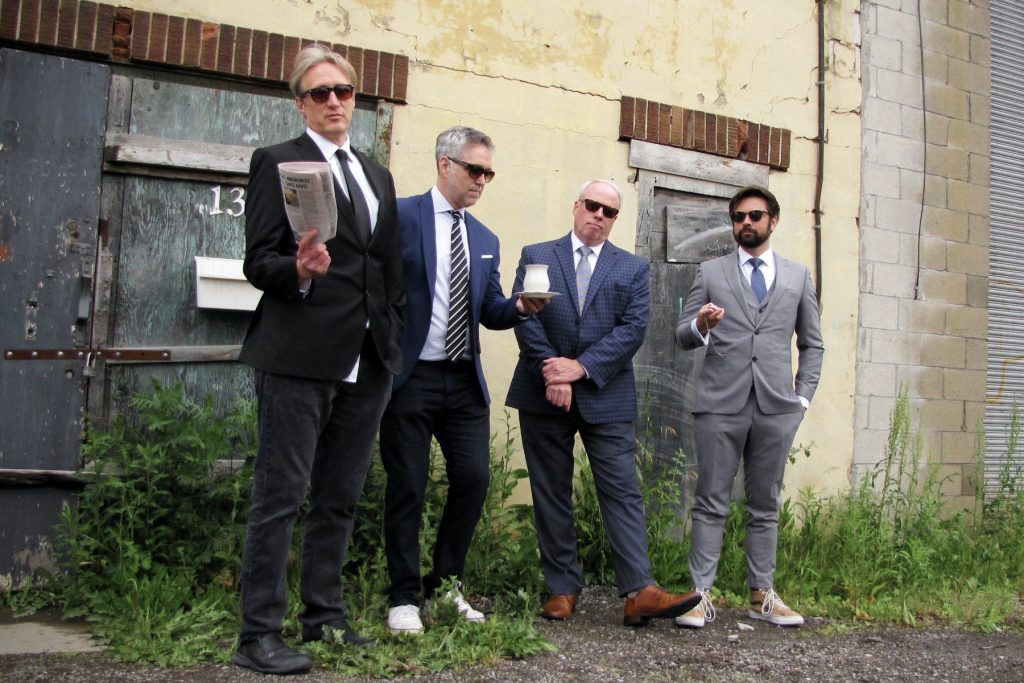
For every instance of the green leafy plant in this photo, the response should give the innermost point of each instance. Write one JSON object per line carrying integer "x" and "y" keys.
{"x": 152, "y": 550}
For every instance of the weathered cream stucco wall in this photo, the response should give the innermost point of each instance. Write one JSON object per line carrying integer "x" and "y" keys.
{"x": 545, "y": 80}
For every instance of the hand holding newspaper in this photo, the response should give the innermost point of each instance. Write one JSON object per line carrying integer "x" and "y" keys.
{"x": 308, "y": 188}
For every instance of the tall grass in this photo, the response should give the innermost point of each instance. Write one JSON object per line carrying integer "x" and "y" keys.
{"x": 892, "y": 549}
{"x": 152, "y": 549}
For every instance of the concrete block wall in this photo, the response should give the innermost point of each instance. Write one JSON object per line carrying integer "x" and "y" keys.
{"x": 924, "y": 230}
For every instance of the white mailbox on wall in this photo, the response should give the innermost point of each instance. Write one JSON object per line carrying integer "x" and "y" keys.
{"x": 221, "y": 284}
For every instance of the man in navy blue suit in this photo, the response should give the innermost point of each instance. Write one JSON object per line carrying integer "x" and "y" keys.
{"x": 452, "y": 287}
{"x": 575, "y": 376}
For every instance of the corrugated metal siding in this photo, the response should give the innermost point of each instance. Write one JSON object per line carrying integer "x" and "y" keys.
{"x": 1006, "y": 279}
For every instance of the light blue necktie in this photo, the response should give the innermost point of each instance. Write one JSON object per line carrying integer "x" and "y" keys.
{"x": 757, "y": 280}
{"x": 583, "y": 275}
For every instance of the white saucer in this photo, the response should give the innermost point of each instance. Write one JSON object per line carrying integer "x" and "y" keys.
{"x": 539, "y": 295}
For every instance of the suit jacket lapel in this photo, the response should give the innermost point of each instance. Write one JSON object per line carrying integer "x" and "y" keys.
{"x": 375, "y": 182}
{"x": 783, "y": 278}
{"x": 734, "y": 276}
{"x": 428, "y": 239}
{"x": 477, "y": 273}
{"x": 605, "y": 264}
{"x": 563, "y": 252}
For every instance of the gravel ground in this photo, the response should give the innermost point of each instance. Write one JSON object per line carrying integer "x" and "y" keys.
{"x": 594, "y": 646}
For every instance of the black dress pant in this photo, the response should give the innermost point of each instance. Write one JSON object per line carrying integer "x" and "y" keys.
{"x": 443, "y": 400}
{"x": 319, "y": 434}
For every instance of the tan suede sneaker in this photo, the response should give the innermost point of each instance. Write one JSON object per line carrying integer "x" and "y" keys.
{"x": 766, "y": 605}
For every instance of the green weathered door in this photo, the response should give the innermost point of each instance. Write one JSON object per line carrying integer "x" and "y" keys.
{"x": 177, "y": 155}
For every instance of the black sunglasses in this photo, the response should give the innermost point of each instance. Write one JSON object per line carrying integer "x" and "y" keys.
{"x": 475, "y": 171}
{"x": 593, "y": 207}
{"x": 755, "y": 216}
{"x": 321, "y": 94}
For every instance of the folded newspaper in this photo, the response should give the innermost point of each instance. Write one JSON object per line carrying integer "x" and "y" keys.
{"x": 308, "y": 188}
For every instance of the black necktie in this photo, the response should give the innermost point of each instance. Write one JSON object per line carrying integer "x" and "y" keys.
{"x": 458, "y": 295}
{"x": 757, "y": 280}
{"x": 355, "y": 195}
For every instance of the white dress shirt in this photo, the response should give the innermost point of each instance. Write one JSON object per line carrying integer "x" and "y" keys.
{"x": 433, "y": 349}
{"x": 329, "y": 150}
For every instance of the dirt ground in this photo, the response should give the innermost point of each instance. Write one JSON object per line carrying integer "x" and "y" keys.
{"x": 594, "y": 646}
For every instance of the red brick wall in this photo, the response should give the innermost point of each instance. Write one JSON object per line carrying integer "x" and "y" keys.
{"x": 121, "y": 34}
{"x": 725, "y": 136}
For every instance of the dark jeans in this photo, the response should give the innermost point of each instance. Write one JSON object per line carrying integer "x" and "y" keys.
{"x": 443, "y": 400}
{"x": 316, "y": 433}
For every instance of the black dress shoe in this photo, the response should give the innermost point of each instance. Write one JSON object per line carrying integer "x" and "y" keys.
{"x": 348, "y": 635}
{"x": 269, "y": 655}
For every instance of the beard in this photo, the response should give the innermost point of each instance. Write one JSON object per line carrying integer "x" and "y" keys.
{"x": 751, "y": 239}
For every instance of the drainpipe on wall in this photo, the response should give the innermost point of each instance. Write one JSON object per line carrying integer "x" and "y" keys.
{"x": 821, "y": 149}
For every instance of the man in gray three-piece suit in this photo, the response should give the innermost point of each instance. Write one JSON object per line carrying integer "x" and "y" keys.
{"x": 748, "y": 406}
{"x": 575, "y": 375}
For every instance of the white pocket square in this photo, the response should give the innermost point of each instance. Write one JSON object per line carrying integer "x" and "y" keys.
{"x": 486, "y": 255}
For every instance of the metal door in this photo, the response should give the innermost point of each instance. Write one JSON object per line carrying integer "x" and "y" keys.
{"x": 110, "y": 185}
{"x": 52, "y": 112}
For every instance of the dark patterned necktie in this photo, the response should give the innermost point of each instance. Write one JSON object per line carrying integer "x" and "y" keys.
{"x": 757, "y": 280}
{"x": 458, "y": 295}
{"x": 355, "y": 196}
{"x": 583, "y": 274}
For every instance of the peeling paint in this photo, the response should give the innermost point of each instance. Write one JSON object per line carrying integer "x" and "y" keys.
{"x": 42, "y": 556}
{"x": 338, "y": 18}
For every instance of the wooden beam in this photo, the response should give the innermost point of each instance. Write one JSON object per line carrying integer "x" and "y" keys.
{"x": 62, "y": 478}
{"x": 144, "y": 150}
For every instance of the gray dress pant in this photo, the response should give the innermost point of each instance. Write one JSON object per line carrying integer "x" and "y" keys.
{"x": 762, "y": 442}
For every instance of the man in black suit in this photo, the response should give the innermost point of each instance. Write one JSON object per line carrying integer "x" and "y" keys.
{"x": 324, "y": 345}
{"x": 451, "y": 271}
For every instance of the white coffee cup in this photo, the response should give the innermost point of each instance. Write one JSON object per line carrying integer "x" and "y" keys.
{"x": 536, "y": 278}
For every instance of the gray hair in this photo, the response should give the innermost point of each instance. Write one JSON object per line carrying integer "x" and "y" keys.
{"x": 314, "y": 54}
{"x": 451, "y": 142}
{"x": 609, "y": 183}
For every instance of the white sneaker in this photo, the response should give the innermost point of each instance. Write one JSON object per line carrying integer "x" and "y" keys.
{"x": 455, "y": 597}
{"x": 772, "y": 608}
{"x": 703, "y": 612}
{"x": 405, "y": 619}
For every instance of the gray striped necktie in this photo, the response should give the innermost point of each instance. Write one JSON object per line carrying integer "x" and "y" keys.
{"x": 583, "y": 274}
{"x": 458, "y": 295}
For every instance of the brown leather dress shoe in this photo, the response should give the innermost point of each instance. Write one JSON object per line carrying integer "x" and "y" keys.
{"x": 559, "y": 607}
{"x": 654, "y": 602}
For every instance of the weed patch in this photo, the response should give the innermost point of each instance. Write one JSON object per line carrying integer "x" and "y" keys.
{"x": 151, "y": 553}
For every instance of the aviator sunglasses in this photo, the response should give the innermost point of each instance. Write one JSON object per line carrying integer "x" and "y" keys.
{"x": 475, "y": 171}
{"x": 321, "y": 94}
{"x": 755, "y": 216}
{"x": 593, "y": 207}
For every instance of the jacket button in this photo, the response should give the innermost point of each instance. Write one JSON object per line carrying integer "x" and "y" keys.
{"x": 757, "y": 331}
{"x": 754, "y": 359}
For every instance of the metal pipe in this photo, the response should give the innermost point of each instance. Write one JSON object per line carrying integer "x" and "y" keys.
{"x": 821, "y": 149}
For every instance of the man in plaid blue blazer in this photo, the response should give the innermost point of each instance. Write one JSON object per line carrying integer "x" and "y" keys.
{"x": 575, "y": 376}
